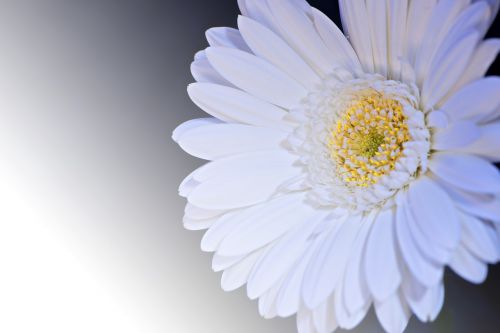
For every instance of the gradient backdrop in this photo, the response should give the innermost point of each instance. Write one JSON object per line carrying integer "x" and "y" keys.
{"x": 91, "y": 238}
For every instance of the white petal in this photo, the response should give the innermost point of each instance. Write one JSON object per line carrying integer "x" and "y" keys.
{"x": 256, "y": 76}
{"x": 431, "y": 250}
{"x": 354, "y": 18}
{"x": 234, "y": 105}
{"x": 226, "y": 37}
{"x": 262, "y": 224}
{"x": 191, "y": 224}
{"x": 456, "y": 135}
{"x": 481, "y": 60}
{"x": 484, "y": 206}
{"x": 440, "y": 22}
{"x": 447, "y": 68}
{"x": 289, "y": 297}
{"x": 267, "y": 302}
{"x": 197, "y": 213}
{"x": 419, "y": 13}
{"x": 258, "y": 10}
{"x": 327, "y": 268}
{"x": 488, "y": 143}
{"x": 192, "y": 124}
{"x": 468, "y": 266}
{"x": 282, "y": 256}
{"x": 203, "y": 71}
{"x": 237, "y": 275}
{"x": 435, "y": 212}
{"x": 377, "y": 21}
{"x": 426, "y": 303}
{"x": 466, "y": 172}
{"x": 298, "y": 30}
{"x": 345, "y": 319}
{"x": 383, "y": 275}
{"x": 476, "y": 100}
{"x": 220, "y": 263}
{"x": 242, "y": 180}
{"x": 268, "y": 45}
{"x": 425, "y": 271}
{"x": 305, "y": 322}
{"x": 393, "y": 314}
{"x": 396, "y": 32}
{"x": 242, "y": 6}
{"x": 324, "y": 317}
{"x": 437, "y": 119}
{"x": 335, "y": 40}
{"x": 221, "y": 140}
{"x": 355, "y": 289}
{"x": 218, "y": 231}
{"x": 479, "y": 238}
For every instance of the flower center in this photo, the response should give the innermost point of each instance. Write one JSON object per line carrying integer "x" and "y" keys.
{"x": 368, "y": 138}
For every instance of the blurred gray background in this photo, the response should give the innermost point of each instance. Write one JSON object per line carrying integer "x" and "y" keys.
{"x": 91, "y": 238}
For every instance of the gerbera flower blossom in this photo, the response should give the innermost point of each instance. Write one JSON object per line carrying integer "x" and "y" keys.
{"x": 347, "y": 172}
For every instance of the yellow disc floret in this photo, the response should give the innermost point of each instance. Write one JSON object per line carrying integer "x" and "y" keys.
{"x": 368, "y": 138}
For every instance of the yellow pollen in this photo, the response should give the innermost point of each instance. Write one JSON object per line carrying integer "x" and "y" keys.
{"x": 368, "y": 138}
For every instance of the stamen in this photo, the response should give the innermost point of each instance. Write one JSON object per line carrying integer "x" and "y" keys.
{"x": 368, "y": 138}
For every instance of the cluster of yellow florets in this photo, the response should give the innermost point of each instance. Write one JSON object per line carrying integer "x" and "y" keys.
{"x": 368, "y": 138}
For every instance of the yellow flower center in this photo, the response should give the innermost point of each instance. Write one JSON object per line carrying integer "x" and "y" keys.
{"x": 368, "y": 138}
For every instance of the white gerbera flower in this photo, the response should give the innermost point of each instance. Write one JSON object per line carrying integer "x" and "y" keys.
{"x": 347, "y": 172}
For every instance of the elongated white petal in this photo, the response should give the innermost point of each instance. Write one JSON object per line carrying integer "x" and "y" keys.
{"x": 466, "y": 172}
{"x": 274, "y": 265}
{"x": 221, "y": 140}
{"x": 419, "y": 14}
{"x": 298, "y": 30}
{"x": 379, "y": 33}
{"x": 335, "y": 40}
{"x": 233, "y": 105}
{"x": 289, "y": 298}
{"x": 354, "y": 18}
{"x": 435, "y": 212}
{"x": 456, "y": 135}
{"x": 488, "y": 143}
{"x": 192, "y": 124}
{"x": 424, "y": 270}
{"x": 202, "y": 71}
{"x": 256, "y": 76}
{"x": 261, "y": 225}
{"x": 468, "y": 266}
{"x": 305, "y": 323}
{"x": 226, "y": 37}
{"x": 267, "y": 302}
{"x": 426, "y": 303}
{"x": 474, "y": 101}
{"x": 484, "y": 206}
{"x": 326, "y": 269}
{"x": 481, "y": 60}
{"x": 345, "y": 319}
{"x": 447, "y": 68}
{"x": 479, "y": 238}
{"x": 383, "y": 275}
{"x": 324, "y": 317}
{"x": 266, "y": 44}
{"x": 437, "y": 119}
{"x": 191, "y": 224}
{"x": 230, "y": 182}
{"x": 393, "y": 314}
{"x": 355, "y": 289}
{"x": 237, "y": 275}
{"x": 440, "y": 22}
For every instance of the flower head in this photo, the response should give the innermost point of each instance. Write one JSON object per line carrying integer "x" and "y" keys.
{"x": 347, "y": 173}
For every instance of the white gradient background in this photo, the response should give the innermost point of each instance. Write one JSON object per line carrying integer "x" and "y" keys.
{"x": 91, "y": 238}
